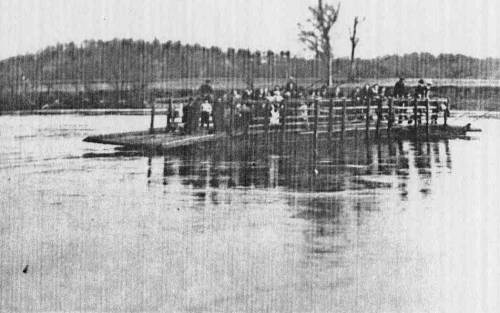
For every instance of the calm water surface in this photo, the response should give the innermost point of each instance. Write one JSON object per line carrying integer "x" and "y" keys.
{"x": 402, "y": 227}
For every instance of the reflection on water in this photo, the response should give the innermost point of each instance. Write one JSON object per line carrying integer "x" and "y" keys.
{"x": 338, "y": 168}
{"x": 367, "y": 227}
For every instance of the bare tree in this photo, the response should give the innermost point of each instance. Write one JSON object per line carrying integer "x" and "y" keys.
{"x": 317, "y": 35}
{"x": 354, "y": 43}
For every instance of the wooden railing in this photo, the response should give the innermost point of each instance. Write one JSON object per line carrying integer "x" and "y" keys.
{"x": 341, "y": 115}
{"x": 325, "y": 115}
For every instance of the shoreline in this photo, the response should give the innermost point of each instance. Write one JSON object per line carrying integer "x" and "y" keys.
{"x": 147, "y": 111}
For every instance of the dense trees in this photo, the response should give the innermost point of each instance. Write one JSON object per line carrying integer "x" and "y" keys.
{"x": 123, "y": 65}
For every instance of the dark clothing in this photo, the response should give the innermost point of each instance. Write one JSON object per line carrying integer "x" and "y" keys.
{"x": 246, "y": 117}
{"x": 187, "y": 118}
{"x": 356, "y": 94}
{"x": 205, "y": 119}
{"x": 427, "y": 91}
{"x": 420, "y": 91}
{"x": 185, "y": 113}
{"x": 366, "y": 93}
{"x": 193, "y": 117}
{"x": 291, "y": 87}
{"x": 434, "y": 115}
{"x": 399, "y": 89}
{"x": 340, "y": 94}
{"x": 247, "y": 95}
{"x": 206, "y": 90}
{"x": 218, "y": 116}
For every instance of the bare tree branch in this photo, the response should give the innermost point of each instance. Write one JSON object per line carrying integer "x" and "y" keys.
{"x": 354, "y": 43}
{"x": 317, "y": 36}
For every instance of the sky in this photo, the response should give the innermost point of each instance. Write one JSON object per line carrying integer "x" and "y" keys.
{"x": 390, "y": 27}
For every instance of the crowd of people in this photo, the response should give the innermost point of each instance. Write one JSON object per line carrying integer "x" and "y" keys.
{"x": 207, "y": 108}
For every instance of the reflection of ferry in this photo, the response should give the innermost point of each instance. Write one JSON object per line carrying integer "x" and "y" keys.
{"x": 338, "y": 168}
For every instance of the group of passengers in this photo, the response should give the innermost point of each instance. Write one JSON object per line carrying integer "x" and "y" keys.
{"x": 270, "y": 103}
{"x": 422, "y": 91}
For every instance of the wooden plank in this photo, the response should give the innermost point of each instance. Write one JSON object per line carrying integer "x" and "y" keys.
{"x": 427, "y": 116}
{"x": 342, "y": 121}
{"x": 330, "y": 118}
{"x": 315, "y": 130}
{"x": 232, "y": 118}
{"x": 267, "y": 120}
{"x": 415, "y": 114}
{"x": 170, "y": 116}
{"x": 283, "y": 120}
{"x": 368, "y": 108}
{"x": 445, "y": 113}
{"x": 379, "y": 116}
{"x": 391, "y": 116}
{"x": 152, "y": 123}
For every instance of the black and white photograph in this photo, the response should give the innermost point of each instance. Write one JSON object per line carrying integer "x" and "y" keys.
{"x": 249, "y": 156}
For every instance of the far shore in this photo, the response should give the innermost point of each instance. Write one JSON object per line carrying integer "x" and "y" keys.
{"x": 464, "y": 94}
{"x": 145, "y": 111}
{"x": 455, "y": 113}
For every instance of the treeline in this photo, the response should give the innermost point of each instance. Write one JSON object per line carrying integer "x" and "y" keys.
{"x": 133, "y": 64}
{"x": 126, "y": 65}
{"x": 416, "y": 65}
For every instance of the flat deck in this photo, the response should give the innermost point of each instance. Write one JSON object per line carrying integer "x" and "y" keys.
{"x": 161, "y": 140}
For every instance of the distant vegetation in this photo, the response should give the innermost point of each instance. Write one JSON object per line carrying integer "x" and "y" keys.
{"x": 120, "y": 69}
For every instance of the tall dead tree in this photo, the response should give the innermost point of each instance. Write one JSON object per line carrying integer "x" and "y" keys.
{"x": 317, "y": 35}
{"x": 354, "y": 43}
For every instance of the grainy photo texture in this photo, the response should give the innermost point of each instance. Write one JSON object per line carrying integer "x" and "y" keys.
{"x": 249, "y": 156}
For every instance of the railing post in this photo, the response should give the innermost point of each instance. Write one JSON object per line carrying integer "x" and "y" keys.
{"x": 246, "y": 119}
{"x": 267, "y": 113}
{"x": 231, "y": 118}
{"x": 283, "y": 120}
{"x": 415, "y": 113}
{"x": 330, "y": 119}
{"x": 427, "y": 116}
{"x": 391, "y": 116}
{"x": 169, "y": 116}
{"x": 296, "y": 112}
{"x": 446, "y": 112}
{"x": 342, "y": 121}
{"x": 152, "y": 124}
{"x": 315, "y": 129}
{"x": 368, "y": 107}
{"x": 379, "y": 116}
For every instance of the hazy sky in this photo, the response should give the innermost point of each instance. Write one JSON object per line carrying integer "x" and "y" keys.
{"x": 391, "y": 26}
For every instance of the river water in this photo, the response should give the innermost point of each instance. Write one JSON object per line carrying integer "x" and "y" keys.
{"x": 401, "y": 227}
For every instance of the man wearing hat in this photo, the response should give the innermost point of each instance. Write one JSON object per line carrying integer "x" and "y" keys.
{"x": 399, "y": 88}
{"x": 291, "y": 86}
{"x": 428, "y": 90}
{"x": 420, "y": 94}
{"x": 206, "y": 90}
{"x": 421, "y": 89}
